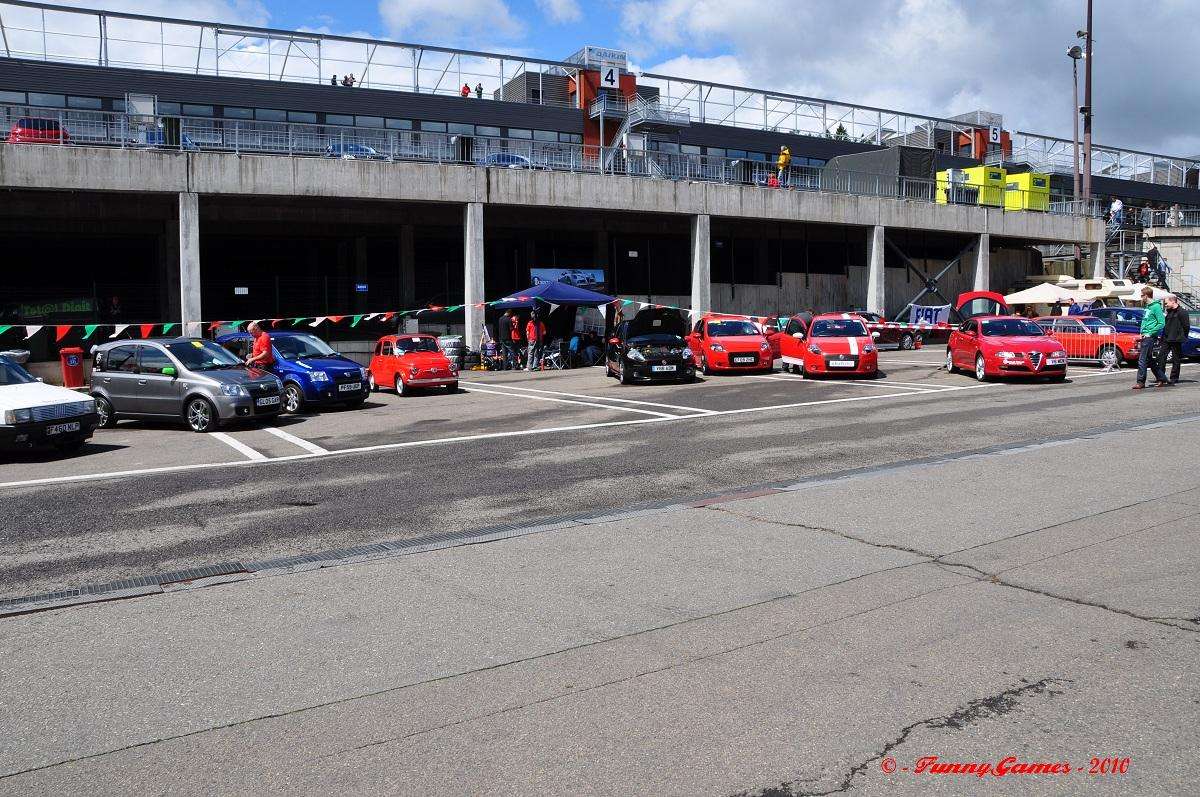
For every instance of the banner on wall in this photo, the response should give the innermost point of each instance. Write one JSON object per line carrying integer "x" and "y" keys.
{"x": 589, "y": 278}
{"x": 929, "y": 314}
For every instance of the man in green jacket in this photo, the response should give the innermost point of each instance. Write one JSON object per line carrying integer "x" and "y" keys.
{"x": 1153, "y": 322}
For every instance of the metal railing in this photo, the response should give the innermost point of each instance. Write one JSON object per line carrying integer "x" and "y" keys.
{"x": 1189, "y": 217}
{"x": 202, "y": 134}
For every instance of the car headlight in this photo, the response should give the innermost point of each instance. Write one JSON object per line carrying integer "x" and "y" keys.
{"x": 814, "y": 348}
{"x": 453, "y": 367}
{"x": 869, "y": 348}
{"x": 1006, "y": 355}
{"x": 1059, "y": 353}
{"x": 764, "y": 346}
{"x": 637, "y": 356}
{"x": 17, "y": 416}
{"x": 318, "y": 376}
{"x": 717, "y": 347}
{"x": 1194, "y": 336}
{"x": 687, "y": 354}
{"x": 234, "y": 390}
{"x": 362, "y": 374}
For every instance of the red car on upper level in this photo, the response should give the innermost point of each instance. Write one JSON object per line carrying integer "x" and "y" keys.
{"x": 991, "y": 346}
{"x": 834, "y": 343}
{"x": 406, "y": 362}
{"x": 37, "y": 130}
{"x": 729, "y": 343}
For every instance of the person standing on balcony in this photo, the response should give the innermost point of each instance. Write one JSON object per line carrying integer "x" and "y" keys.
{"x": 1173, "y": 216}
{"x": 1116, "y": 213}
{"x": 465, "y": 91}
{"x": 1175, "y": 331}
{"x": 333, "y": 80}
{"x": 782, "y": 162}
{"x": 479, "y": 90}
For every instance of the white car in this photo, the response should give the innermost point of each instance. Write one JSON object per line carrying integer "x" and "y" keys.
{"x": 33, "y": 413}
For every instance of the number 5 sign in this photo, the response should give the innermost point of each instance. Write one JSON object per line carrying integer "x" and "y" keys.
{"x": 610, "y": 75}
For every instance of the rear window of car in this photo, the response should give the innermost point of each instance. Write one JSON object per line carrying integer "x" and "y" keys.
{"x": 33, "y": 123}
{"x": 122, "y": 358}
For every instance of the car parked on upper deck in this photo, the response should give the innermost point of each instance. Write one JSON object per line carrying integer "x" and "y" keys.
{"x": 410, "y": 361}
{"x": 729, "y": 343}
{"x": 33, "y": 413}
{"x": 37, "y": 130}
{"x": 179, "y": 379}
{"x": 351, "y": 150}
{"x": 1005, "y": 346}
{"x": 509, "y": 160}
{"x": 311, "y": 371}
{"x": 834, "y": 343}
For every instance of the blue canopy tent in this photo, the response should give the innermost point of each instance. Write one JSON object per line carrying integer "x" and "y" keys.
{"x": 553, "y": 293}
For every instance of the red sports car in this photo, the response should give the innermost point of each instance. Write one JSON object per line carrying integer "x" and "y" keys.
{"x": 1005, "y": 346}
{"x": 406, "y": 362}
{"x": 729, "y": 343}
{"x": 36, "y": 130}
{"x": 834, "y": 343}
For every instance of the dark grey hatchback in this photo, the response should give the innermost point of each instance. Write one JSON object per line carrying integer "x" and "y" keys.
{"x": 188, "y": 379}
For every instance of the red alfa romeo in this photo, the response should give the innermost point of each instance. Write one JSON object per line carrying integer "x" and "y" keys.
{"x": 1005, "y": 346}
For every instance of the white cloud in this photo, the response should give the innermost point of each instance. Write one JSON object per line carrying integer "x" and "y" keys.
{"x": 458, "y": 22}
{"x": 561, "y": 11}
{"x": 943, "y": 57}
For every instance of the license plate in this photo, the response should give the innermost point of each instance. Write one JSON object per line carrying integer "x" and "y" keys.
{"x": 350, "y": 387}
{"x": 662, "y": 368}
{"x": 266, "y": 401}
{"x": 841, "y": 364}
{"x": 1056, "y": 361}
{"x": 743, "y": 360}
{"x": 61, "y": 428}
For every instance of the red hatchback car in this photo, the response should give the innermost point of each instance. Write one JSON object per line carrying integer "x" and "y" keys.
{"x": 1005, "y": 346}
{"x": 729, "y": 343}
{"x": 406, "y": 362}
{"x": 834, "y": 343}
{"x": 36, "y": 130}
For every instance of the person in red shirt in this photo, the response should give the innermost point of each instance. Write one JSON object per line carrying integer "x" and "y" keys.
{"x": 261, "y": 355}
{"x": 535, "y": 334}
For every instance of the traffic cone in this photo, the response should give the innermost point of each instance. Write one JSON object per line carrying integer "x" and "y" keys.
{"x": 918, "y": 342}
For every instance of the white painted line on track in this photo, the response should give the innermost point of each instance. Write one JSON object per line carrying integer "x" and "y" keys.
{"x": 886, "y": 383}
{"x": 594, "y": 398}
{"x": 530, "y": 397}
{"x": 311, "y": 448}
{"x": 889, "y": 361}
{"x": 240, "y": 447}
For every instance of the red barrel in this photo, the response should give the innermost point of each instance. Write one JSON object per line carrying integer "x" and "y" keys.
{"x": 72, "y": 366}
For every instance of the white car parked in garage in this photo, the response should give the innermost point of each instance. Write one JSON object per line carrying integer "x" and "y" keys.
{"x": 36, "y": 414}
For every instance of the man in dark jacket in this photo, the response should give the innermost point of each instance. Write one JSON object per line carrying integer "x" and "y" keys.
{"x": 1175, "y": 332}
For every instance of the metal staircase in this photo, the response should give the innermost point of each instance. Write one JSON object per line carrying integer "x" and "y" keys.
{"x": 645, "y": 116}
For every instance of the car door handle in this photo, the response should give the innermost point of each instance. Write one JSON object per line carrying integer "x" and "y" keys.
{"x": 141, "y": 381}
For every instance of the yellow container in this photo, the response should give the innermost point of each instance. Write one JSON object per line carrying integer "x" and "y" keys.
{"x": 979, "y": 185}
{"x": 990, "y": 181}
{"x": 1027, "y": 191}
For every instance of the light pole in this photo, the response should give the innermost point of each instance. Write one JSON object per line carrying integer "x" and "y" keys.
{"x": 1075, "y": 53}
{"x": 1087, "y": 107}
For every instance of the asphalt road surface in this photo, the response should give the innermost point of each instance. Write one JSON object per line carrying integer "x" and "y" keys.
{"x": 919, "y": 620}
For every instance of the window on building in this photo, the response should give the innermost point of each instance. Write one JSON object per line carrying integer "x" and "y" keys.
{"x": 270, "y": 115}
{"x": 716, "y": 152}
{"x": 197, "y": 110}
{"x": 238, "y": 113}
{"x": 90, "y": 103}
{"x": 43, "y": 100}
{"x": 756, "y": 156}
{"x": 517, "y": 132}
{"x": 483, "y": 130}
{"x": 399, "y": 124}
{"x": 735, "y": 153}
{"x": 689, "y": 149}
{"x": 460, "y": 129}
{"x": 535, "y": 96}
{"x": 304, "y": 117}
{"x": 433, "y": 127}
{"x": 368, "y": 121}
{"x": 12, "y": 97}
{"x": 545, "y": 135}
{"x": 338, "y": 119}
{"x": 168, "y": 108}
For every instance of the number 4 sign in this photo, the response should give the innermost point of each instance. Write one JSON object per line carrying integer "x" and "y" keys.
{"x": 610, "y": 75}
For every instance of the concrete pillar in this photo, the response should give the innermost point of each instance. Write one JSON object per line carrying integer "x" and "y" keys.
{"x": 1096, "y": 259}
{"x": 408, "y": 269}
{"x": 189, "y": 264}
{"x": 981, "y": 263}
{"x": 473, "y": 273}
{"x": 876, "y": 273}
{"x": 701, "y": 263}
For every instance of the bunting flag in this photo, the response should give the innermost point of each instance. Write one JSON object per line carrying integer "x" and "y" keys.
{"x": 213, "y": 325}
{"x": 317, "y": 321}
{"x": 335, "y": 319}
{"x": 355, "y": 319}
{"x": 4, "y": 328}
{"x": 275, "y": 321}
{"x": 553, "y": 306}
{"x": 603, "y": 312}
{"x": 296, "y": 321}
{"x": 117, "y": 330}
{"x": 31, "y": 331}
{"x": 369, "y": 316}
{"x": 168, "y": 327}
{"x": 61, "y": 331}
{"x": 88, "y": 329}
{"x": 146, "y": 329}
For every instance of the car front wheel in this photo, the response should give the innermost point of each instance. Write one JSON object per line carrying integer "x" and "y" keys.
{"x": 293, "y": 398}
{"x": 950, "y": 367}
{"x": 201, "y": 416}
{"x": 907, "y": 341}
{"x": 980, "y": 368}
{"x": 401, "y": 388}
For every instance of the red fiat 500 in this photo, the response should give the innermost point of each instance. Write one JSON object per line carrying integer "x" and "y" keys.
{"x": 1005, "y": 346}
{"x": 406, "y": 362}
{"x": 729, "y": 343}
{"x": 834, "y": 343}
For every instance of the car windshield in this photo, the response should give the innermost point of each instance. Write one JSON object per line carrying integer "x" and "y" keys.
{"x": 1008, "y": 327}
{"x": 202, "y": 355}
{"x": 838, "y": 328}
{"x": 721, "y": 329}
{"x": 405, "y": 345}
{"x": 301, "y": 347}
{"x": 13, "y": 374}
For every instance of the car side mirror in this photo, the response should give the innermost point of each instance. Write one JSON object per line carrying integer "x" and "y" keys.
{"x": 798, "y": 335}
{"x": 874, "y": 336}
{"x": 38, "y": 378}
{"x": 169, "y": 371}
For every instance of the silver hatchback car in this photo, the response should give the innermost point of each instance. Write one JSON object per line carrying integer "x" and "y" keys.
{"x": 188, "y": 379}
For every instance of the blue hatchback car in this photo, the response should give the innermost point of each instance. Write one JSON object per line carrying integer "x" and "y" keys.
{"x": 1129, "y": 319}
{"x": 312, "y": 372}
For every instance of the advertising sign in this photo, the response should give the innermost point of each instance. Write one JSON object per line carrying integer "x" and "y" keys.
{"x": 590, "y": 278}
{"x": 929, "y": 314}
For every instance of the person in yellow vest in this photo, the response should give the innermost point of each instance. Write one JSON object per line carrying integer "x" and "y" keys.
{"x": 782, "y": 163}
